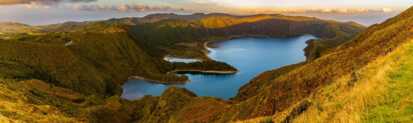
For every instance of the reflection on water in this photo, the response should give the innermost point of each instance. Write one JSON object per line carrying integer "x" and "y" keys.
{"x": 251, "y": 56}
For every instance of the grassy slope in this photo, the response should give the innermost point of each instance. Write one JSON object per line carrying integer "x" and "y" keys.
{"x": 19, "y": 104}
{"x": 36, "y": 101}
{"x": 377, "y": 93}
{"x": 93, "y": 63}
{"x": 396, "y": 103}
{"x": 25, "y": 61}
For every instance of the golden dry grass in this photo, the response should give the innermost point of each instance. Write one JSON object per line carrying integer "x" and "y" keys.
{"x": 16, "y": 108}
{"x": 352, "y": 98}
{"x": 342, "y": 102}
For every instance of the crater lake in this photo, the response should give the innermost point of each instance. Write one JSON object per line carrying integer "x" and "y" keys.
{"x": 251, "y": 56}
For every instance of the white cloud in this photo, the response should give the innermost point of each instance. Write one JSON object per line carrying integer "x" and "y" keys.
{"x": 124, "y": 8}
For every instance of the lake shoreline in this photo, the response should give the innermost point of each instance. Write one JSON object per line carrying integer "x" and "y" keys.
{"x": 209, "y": 44}
{"x": 209, "y": 79}
{"x": 154, "y": 81}
{"x": 207, "y": 72}
{"x": 206, "y": 46}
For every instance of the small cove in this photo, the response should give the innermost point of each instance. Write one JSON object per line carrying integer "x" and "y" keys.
{"x": 251, "y": 56}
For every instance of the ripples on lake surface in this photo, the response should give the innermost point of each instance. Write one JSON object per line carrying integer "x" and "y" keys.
{"x": 251, "y": 56}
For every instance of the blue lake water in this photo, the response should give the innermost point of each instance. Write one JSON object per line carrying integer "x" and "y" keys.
{"x": 251, "y": 56}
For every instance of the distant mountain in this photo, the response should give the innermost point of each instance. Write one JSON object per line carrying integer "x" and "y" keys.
{"x": 170, "y": 29}
{"x": 15, "y": 30}
{"x": 9, "y": 27}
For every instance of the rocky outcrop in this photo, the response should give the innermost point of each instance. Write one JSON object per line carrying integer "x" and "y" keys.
{"x": 165, "y": 106}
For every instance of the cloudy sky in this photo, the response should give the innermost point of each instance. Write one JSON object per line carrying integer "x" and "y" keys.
{"x": 53, "y": 11}
{"x": 230, "y": 4}
{"x": 287, "y": 3}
